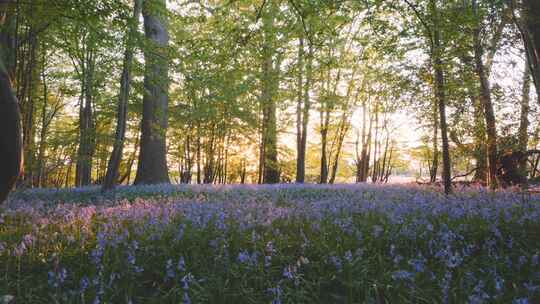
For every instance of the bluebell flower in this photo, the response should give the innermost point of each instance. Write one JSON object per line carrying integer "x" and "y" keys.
{"x": 243, "y": 257}
{"x": 186, "y": 299}
{"x": 478, "y": 295}
{"x": 62, "y": 275}
{"x": 522, "y": 260}
{"x": 83, "y": 285}
{"x": 336, "y": 261}
{"x": 51, "y": 279}
{"x": 288, "y": 273}
{"x": 499, "y": 283}
{"x": 348, "y": 256}
{"x": 454, "y": 260}
{"x": 377, "y": 231}
{"x": 169, "y": 270}
{"x": 181, "y": 264}
{"x": 276, "y": 293}
{"x": 267, "y": 260}
{"x": 402, "y": 275}
{"x": 531, "y": 288}
{"x": 418, "y": 264}
{"x": 520, "y": 301}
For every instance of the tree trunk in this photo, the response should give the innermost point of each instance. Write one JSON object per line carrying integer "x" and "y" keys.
{"x": 485, "y": 98}
{"x": 83, "y": 173}
{"x": 28, "y": 106}
{"x": 480, "y": 154}
{"x": 113, "y": 167}
{"x": 375, "y": 145}
{"x": 198, "y": 152}
{"x": 531, "y": 38}
{"x": 152, "y": 165}
{"x": 366, "y": 150}
{"x": 324, "y": 143}
{"x": 10, "y": 120}
{"x": 300, "y": 158}
{"x": 435, "y": 165}
{"x": 268, "y": 96}
{"x": 524, "y": 119}
{"x": 340, "y": 137}
{"x": 441, "y": 100}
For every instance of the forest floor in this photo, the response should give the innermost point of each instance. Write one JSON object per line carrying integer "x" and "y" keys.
{"x": 270, "y": 244}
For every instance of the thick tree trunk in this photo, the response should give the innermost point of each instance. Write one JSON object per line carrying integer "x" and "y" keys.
{"x": 113, "y": 168}
{"x": 485, "y": 99}
{"x": 268, "y": 96}
{"x": 152, "y": 165}
{"x": 441, "y": 101}
{"x": 10, "y": 119}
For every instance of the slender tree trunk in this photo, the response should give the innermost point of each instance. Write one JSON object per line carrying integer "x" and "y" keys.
{"x": 300, "y": 157}
{"x": 44, "y": 129}
{"x": 28, "y": 106}
{"x": 324, "y": 143}
{"x": 10, "y": 119}
{"x": 375, "y": 146}
{"x": 366, "y": 151}
{"x": 524, "y": 120}
{"x": 441, "y": 100}
{"x": 113, "y": 168}
{"x": 198, "y": 155}
{"x": 362, "y": 175}
{"x": 83, "y": 172}
{"x": 340, "y": 137}
{"x": 435, "y": 165}
{"x": 152, "y": 165}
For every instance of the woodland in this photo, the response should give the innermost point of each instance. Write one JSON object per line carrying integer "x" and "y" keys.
{"x": 269, "y": 151}
{"x": 119, "y": 92}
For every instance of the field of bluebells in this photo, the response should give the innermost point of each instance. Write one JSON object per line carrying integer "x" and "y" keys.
{"x": 270, "y": 244}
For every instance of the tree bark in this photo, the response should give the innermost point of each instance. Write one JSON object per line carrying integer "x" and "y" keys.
{"x": 524, "y": 119}
{"x": 485, "y": 98}
{"x": 83, "y": 172}
{"x": 10, "y": 120}
{"x": 480, "y": 154}
{"x": 531, "y": 37}
{"x": 270, "y": 86}
{"x": 113, "y": 168}
{"x": 441, "y": 99}
{"x": 152, "y": 165}
{"x": 300, "y": 157}
{"x": 28, "y": 105}
{"x": 435, "y": 165}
